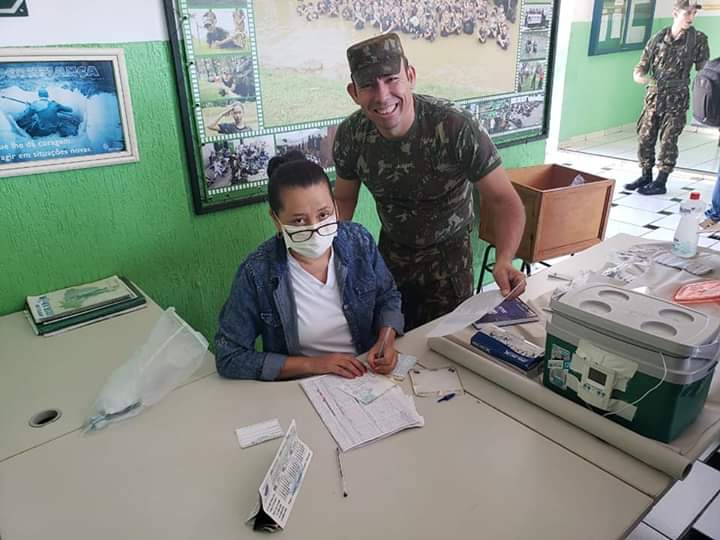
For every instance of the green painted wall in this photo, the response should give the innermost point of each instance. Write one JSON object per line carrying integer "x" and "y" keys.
{"x": 599, "y": 90}
{"x": 137, "y": 219}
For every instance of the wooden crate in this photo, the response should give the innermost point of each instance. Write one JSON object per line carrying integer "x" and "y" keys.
{"x": 560, "y": 218}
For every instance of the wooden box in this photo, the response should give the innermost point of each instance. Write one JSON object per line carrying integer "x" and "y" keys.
{"x": 560, "y": 218}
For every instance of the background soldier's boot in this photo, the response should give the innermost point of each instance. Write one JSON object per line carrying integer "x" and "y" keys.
{"x": 657, "y": 187}
{"x": 644, "y": 180}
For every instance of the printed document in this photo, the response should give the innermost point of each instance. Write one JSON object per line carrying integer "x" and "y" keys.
{"x": 367, "y": 388}
{"x": 281, "y": 484}
{"x": 352, "y": 423}
{"x": 468, "y": 312}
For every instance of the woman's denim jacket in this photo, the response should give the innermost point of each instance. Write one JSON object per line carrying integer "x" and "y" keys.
{"x": 261, "y": 303}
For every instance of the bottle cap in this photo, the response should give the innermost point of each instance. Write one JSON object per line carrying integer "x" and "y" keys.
{"x": 695, "y": 196}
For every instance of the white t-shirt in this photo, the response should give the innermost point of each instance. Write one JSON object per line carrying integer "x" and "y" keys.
{"x": 322, "y": 326}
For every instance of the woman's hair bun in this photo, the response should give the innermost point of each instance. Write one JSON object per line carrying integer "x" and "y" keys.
{"x": 277, "y": 161}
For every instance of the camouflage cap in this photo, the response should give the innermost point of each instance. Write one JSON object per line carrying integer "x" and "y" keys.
{"x": 375, "y": 57}
{"x": 686, "y": 4}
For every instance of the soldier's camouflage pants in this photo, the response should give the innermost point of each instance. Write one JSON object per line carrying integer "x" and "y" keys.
{"x": 665, "y": 124}
{"x": 431, "y": 280}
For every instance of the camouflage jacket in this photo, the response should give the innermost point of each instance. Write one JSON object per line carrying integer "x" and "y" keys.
{"x": 422, "y": 183}
{"x": 666, "y": 60}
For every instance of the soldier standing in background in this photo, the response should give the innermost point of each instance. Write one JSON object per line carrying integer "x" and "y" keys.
{"x": 665, "y": 67}
{"x": 420, "y": 157}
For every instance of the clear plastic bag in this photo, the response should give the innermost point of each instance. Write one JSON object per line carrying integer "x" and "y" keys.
{"x": 171, "y": 354}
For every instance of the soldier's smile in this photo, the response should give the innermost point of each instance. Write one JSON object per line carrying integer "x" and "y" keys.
{"x": 386, "y": 110}
{"x": 388, "y": 102}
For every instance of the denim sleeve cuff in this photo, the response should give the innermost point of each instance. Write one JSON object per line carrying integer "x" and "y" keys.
{"x": 272, "y": 365}
{"x": 394, "y": 319}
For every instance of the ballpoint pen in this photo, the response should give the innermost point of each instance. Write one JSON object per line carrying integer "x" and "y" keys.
{"x": 558, "y": 275}
{"x": 381, "y": 352}
{"x": 447, "y": 397}
{"x": 342, "y": 475}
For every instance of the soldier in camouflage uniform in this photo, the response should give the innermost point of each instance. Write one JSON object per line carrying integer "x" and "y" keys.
{"x": 419, "y": 157}
{"x": 665, "y": 68}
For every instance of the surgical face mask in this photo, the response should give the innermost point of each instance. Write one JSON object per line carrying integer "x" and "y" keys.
{"x": 308, "y": 241}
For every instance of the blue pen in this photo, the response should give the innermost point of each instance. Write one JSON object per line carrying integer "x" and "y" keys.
{"x": 447, "y": 397}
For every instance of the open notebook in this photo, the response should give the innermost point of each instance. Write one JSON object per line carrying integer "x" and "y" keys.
{"x": 353, "y": 423}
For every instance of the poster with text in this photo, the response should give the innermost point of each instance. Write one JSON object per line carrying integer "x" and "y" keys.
{"x": 56, "y": 113}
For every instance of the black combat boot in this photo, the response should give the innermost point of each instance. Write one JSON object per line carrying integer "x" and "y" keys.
{"x": 644, "y": 180}
{"x": 657, "y": 187}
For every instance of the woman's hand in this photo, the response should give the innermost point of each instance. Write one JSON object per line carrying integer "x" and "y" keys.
{"x": 383, "y": 363}
{"x": 341, "y": 364}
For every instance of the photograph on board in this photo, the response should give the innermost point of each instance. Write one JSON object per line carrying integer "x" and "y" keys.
{"x": 223, "y": 77}
{"x": 534, "y": 45}
{"x": 537, "y": 17}
{"x": 499, "y": 116}
{"x": 219, "y": 31}
{"x": 531, "y": 76}
{"x": 229, "y": 117}
{"x": 237, "y": 161}
{"x": 315, "y": 143}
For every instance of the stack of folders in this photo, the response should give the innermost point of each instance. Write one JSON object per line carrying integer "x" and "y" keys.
{"x": 510, "y": 350}
{"x": 65, "y": 309}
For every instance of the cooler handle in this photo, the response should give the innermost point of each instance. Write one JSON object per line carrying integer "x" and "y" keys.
{"x": 707, "y": 351}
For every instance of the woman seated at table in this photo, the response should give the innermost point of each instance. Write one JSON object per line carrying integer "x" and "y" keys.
{"x": 318, "y": 292}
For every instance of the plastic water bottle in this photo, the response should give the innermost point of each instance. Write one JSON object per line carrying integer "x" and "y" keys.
{"x": 685, "y": 241}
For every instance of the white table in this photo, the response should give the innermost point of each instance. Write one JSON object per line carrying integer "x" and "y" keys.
{"x": 616, "y": 462}
{"x": 486, "y": 465}
{"x": 177, "y": 471}
{"x": 63, "y": 372}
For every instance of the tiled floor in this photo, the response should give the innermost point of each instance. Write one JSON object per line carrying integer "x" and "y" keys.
{"x": 699, "y": 149}
{"x": 648, "y": 216}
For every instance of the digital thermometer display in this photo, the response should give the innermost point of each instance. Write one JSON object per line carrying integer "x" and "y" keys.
{"x": 597, "y": 376}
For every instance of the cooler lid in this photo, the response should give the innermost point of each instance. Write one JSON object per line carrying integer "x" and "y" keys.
{"x": 631, "y": 316}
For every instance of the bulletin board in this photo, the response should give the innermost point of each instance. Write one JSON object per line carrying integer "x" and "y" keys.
{"x": 257, "y": 78}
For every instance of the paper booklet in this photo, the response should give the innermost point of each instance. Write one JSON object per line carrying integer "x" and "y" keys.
{"x": 353, "y": 423}
{"x": 281, "y": 484}
{"x": 54, "y": 330}
{"x": 510, "y": 312}
{"x": 77, "y": 299}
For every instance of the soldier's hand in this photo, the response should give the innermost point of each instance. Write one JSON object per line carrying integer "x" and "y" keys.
{"x": 641, "y": 78}
{"x": 509, "y": 279}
